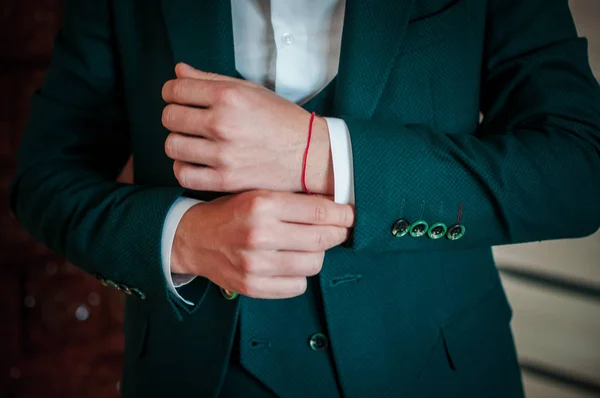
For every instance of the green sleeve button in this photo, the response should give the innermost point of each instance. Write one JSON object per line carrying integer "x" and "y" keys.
{"x": 228, "y": 294}
{"x": 101, "y": 279}
{"x": 124, "y": 288}
{"x": 138, "y": 293}
{"x": 418, "y": 229}
{"x": 456, "y": 232}
{"x": 400, "y": 228}
{"x": 318, "y": 342}
{"x": 109, "y": 283}
{"x": 437, "y": 231}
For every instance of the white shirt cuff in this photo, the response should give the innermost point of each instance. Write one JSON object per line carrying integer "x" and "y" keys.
{"x": 174, "y": 216}
{"x": 341, "y": 155}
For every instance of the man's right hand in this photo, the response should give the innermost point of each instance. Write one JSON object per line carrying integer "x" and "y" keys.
{"x": 261, "y": 244}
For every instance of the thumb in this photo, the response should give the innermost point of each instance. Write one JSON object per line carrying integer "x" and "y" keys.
{"x": 183, "y": 70}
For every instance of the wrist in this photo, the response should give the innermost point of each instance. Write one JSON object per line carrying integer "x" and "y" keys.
{"x": 180, "y": 259}
{"x": 319, "y": 165}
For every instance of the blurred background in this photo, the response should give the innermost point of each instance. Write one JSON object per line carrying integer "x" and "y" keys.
{"x": 60, "y": 330}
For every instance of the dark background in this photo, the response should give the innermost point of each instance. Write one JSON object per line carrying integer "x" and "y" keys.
{"x": 60, "y": 330}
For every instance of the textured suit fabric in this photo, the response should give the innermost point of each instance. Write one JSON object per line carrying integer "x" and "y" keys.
{"x": 405, "y": 317}
{"x": 276, "y": 332}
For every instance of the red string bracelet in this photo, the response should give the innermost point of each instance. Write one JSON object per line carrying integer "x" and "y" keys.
{"x": 310, "y": 129}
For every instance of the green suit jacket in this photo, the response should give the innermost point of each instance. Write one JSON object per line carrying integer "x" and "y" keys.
{"x": 413, "y": 316}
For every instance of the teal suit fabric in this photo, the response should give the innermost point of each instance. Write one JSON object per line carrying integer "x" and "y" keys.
{"x": 274, "y": 333}
{"x": 406, "y": 316}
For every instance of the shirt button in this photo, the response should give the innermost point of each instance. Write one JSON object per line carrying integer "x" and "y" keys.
{"x": 137, "y": 293}
{"x": 318, "y": 342}
{"x": 287, "y": 38}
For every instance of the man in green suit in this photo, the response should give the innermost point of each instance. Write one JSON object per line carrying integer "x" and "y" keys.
{"x": 238, "y": 284}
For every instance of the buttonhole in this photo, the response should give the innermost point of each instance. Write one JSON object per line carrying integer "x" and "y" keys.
{"x": 345, "y": 279}
{"x": 256, "y": 343}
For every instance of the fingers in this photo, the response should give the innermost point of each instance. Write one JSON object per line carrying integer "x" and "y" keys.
{"x": 265, "y": 287}
{"x": 282, "y": 263}
{"x": 289, "y": 263}
{"x": 199, "y": 88}
{"x": 200, "y": 178}
{"x": 188, "y": 120}
{"x": 307, "y": 238}
{"x": 195, "y": 92}
{"x": 308, "y": 209}
{"x": 183, "y": 70}
{"x": 192, "y": 150}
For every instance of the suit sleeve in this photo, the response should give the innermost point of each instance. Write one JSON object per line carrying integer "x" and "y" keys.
{"x": 64, "y": 191}
{"x": 530, "y": 172}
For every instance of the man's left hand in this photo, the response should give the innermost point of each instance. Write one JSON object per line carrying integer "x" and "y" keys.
{"x": 232, "y": 135}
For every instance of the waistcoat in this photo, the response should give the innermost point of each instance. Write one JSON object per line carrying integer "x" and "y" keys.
{"x": 278, "y": 337}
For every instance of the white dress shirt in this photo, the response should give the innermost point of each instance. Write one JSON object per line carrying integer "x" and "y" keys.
{"x": 293, "y": 48}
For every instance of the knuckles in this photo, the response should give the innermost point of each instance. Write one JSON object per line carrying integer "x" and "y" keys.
{"x": 256, "y": 238}
{"x": 179, "y": 89}
{"x": 227, "y": 94}
{"x": 301, "y": 287}
{"x": 322, "y": 242}
{"x": 250, "y": 286}
{"x": 223, "y": 92}
{"x": 248, "y": 265}
{"x": 224, "y": 156}
{"x": 181, "y": 172}
{"x": 325, "y": 240}
{"x": 259, "y": 203}
{"x": 315, "y": 267}
{"x": 171, "y": 146}
{"x": 225, "y": 181}
{"x": 247, "y": 288}
{"x": 168, "y": 116}
{"x": 320, "y": 215}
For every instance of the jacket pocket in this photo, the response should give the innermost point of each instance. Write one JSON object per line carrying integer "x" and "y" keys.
{"x": 479, "y": 332}
{"x": 475, "y": 355}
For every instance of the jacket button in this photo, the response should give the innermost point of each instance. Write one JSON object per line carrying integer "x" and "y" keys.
{"x": 418, "y": 229}
{"x": 228, "y": 294}
{"x": 318, "y": 342}
{"x": 109, "y": 283}
{"x": 137, "y": 293}
{"x": 437, "y": 231}
{"x": 455, "y": 232}
{"x": 124, "y": 288}
{"x": 400, "y": 228}
{"x": 101, "y": 279}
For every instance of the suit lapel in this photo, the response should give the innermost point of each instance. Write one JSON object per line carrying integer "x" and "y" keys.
{"x": 371, "y": 40}
{"x": 200, "y": 32}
